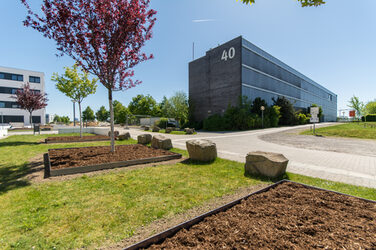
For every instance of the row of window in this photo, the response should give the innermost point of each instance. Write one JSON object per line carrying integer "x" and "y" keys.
{"x": 9, "y": 105}
{"x": 17, "y": 118}
{"x": 6, "y": 90}
{"x": 16, "y": 77}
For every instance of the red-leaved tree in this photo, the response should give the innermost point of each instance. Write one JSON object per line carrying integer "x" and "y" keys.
{"x": 31, "y": 100}
{"x": 104, "y": 37}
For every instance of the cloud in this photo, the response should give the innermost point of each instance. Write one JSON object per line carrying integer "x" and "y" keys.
{"x": 203, "y": 20}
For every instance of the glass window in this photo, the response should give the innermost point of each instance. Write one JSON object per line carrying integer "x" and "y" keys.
{"x": 2, "y": 104}
{"x": 34, "y": 79}
{"x": 2, "y": 76}
{"x": 20, "y": 78}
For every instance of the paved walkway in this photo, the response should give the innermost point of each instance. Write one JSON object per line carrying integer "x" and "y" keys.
{"x": 336, "y": 166}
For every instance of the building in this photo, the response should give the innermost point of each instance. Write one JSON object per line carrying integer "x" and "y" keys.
{"x": 239, "y": 68}
{"x": 10, "y": 81}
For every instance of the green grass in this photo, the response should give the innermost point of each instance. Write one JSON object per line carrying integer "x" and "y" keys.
{"x": 104, "y": 209}
{"x": 359, "y": 130}
{"x": 163, "y": 131}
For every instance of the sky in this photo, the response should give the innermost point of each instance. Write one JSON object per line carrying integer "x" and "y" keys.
{"x": 333, "y": 44}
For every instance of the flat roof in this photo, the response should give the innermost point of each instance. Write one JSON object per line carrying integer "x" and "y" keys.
{"x": 12, "y": 68}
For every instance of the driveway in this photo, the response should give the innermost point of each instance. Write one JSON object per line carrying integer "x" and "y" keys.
{"x": 351, "y": 168}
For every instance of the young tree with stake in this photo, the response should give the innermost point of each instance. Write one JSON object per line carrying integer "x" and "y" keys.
{"x": 31, "y": 100}
{"x": 76, "y": 86}
{"x": 104, "y": 37}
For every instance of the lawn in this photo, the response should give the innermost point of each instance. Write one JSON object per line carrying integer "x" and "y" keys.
{"x": 104, "y": 209}
{"x": 359, "y": 130}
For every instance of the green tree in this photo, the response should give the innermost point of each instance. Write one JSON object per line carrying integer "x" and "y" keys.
{"x": 120, "y": 113}
{"x": 88, "y": 114}
{"x": 144, "y": 105}
{"x": 370, "y": 108}
{"x": 357, "y": 105}
{"x": 177, "y": 107}
{"x": 76, "y": 86}
{"x": 305, "y": 3}
{"x": 287, "y": 111}
{"x": 102, "y": 114}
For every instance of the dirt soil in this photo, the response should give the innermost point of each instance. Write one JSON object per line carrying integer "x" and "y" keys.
{"x": 77, "y": 138}
{"x": 88, "y": 156}
{"x": 289, "y": 216}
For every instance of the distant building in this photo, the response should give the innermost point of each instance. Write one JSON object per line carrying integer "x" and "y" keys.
{"x": 239, "y": 68}
{"x": 10, "y": 81}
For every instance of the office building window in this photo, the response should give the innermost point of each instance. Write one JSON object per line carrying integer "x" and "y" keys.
{"x": 2, "y": 104}
{"x": 9, "y": 76}
{"x": 34, "y": 79}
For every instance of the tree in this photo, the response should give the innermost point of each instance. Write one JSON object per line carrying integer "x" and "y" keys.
{"x": 357, "y": 105}
{"x": 144, "y": 105}
{"x": 76, "y": 86}
{"x": 370, "y": 108}
{"x": 287, "y": 111}
{"x": 305, "y": 3}
{"x": 104, "y": 37}
{"x": 31, "y": 100}
{"x": 63, "y": 119}
{"x": 177, "y": 107}
{"x": 88, "y": 114}
{"x": 102, "y": 114}
{"x": 120, "y": 113}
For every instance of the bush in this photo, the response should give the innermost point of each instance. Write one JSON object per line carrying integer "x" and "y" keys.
{"x": 370, "y": 118}
{"x": 214, "y": 123}
{"x": 302, "y": 119}
{"x": 287, "y": 111}
{"x": 162, "y": 123}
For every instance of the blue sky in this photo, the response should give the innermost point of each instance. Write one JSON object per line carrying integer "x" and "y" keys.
{"x": 333, "y": 44}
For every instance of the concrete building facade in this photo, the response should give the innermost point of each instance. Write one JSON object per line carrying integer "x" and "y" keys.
{"x": 11, "y": 80}
{"x": 239, "y": 68}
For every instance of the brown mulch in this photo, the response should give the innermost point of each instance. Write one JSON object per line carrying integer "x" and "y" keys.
{"x": 290, "y": 216}
{"x": 89, "y": 156}
{"x": 77, "y": 138}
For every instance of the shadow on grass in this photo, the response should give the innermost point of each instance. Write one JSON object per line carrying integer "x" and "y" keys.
{"x": 267, "y": 179}
{"x": 12, "y": 177}
{"x": 193, "y": 162}
{"x": 17, "y": 143}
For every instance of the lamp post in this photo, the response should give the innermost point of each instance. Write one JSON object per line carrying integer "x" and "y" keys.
{"x": 262, "y": 115}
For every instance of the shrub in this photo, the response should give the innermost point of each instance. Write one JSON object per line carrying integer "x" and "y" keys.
{"x": 287, "y": 111}
{"x": 162, "y": 123}
{"x": 302, "y": 119}
{"x": 370, "y": 118}
{"x": 214, "y": 123}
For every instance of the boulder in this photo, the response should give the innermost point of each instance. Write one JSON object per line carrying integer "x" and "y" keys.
{"x": 202, "y": 150}
{"x": 125, "y": 136}
{"x": 169, "y": 130}
{"x": 144, "y": 139}
{"x": 146, "y": 128}
{"x": 189, "y": 131}
{"x": 161, "y": 142}
{"x": 115, "y": 132}
{"x": 156, "y": 129}
{"x": 265, "y": 163}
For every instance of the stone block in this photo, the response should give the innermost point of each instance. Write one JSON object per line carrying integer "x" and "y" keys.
{"x": 161, "y": 142}
{"x": 144, "y": 139}
{"x": 266, "y": 164}
{"x": 202, "y": 150}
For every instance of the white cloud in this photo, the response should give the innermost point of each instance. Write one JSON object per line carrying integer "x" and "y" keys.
{"x": 203, "y": 20}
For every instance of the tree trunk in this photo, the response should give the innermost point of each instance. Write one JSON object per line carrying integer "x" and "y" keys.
{"x": 31, "y": 119}
{"x": 79, "y": 109}
{"x": 111, "y": 120}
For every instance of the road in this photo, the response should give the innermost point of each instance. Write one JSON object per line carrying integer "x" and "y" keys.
{"x": 336, "y": 166}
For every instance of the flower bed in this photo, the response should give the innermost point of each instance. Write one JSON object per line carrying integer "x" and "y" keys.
{"x": 286, "y": 215}
{"x": 67, "y": 139}
{"x": 87, "y": 159}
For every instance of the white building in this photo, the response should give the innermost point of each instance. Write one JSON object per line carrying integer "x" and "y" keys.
{"x": 10, "y": 81}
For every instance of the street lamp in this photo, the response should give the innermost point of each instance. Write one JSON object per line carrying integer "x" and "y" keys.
{"x": 262, "y": 115}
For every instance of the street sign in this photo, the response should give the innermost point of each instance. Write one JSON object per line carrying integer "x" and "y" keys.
{"x": 314, "y": 120}
{"x": 352, "y": 113}
{"x": 315, "y": 111}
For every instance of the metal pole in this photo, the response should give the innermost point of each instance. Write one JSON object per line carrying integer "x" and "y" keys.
{"x": 314, "y": 128}
{"x": 126, "y": 123}
{"x": 262, "y": 115}
{"x": 74, "y": 114}
{"x": 193, "y": 51}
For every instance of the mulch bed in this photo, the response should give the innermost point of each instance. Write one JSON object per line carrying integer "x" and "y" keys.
{"x": 64, "y": 139}
{"x": 89, "y": 156}
{"x": 288, "y": 216}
